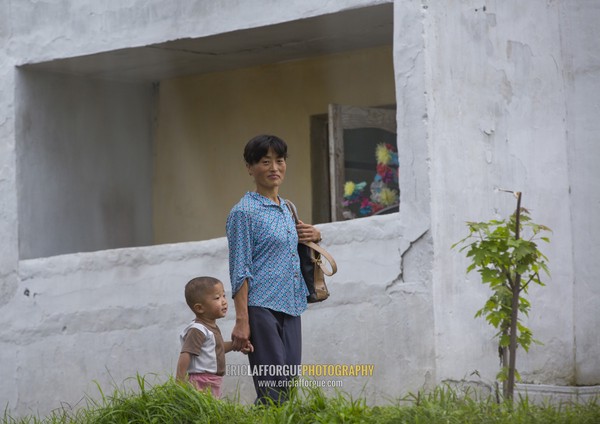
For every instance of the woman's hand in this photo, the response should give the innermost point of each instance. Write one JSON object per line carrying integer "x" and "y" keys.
{"x": 240, "y": 336}
{"x": 307, "y": 232}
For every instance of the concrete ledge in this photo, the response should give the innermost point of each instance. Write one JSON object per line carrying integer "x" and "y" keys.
{"x": 558, "y": 394}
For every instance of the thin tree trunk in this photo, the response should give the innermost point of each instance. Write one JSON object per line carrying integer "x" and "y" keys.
{"x": 512, "y": 347}
{"x": 516, "y": 291}
{"x": 504, "y": 353}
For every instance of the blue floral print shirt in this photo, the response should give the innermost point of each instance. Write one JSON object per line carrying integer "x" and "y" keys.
{"x": 263, "y": 248}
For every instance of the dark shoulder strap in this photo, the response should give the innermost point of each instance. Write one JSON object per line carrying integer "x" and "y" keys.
{"x": 293, "y": 210}
{"x": 315, "y": 246}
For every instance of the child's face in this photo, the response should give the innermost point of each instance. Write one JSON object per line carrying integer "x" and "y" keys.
{"x": 214, "y": 303}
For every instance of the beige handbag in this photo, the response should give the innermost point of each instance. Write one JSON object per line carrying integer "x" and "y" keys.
{"x": 312, "y": 265}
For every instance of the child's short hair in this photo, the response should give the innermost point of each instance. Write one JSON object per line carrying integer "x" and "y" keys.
{"x": 197, "y": 287}
{"x": 258, "y": 147}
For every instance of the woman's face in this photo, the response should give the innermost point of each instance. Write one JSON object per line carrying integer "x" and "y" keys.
{"x": 268, "y": 172}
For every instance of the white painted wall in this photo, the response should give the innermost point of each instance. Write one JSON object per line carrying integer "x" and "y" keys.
{"x": 84, "y": 161}
{"x": 512, "y": 101}
{"x": 582, "y": 85}
{"x": 496, "y": 105}
{"x": 502, "y": 97}
{"x": 105, "y": 316}
{"x": 54, "y": 29}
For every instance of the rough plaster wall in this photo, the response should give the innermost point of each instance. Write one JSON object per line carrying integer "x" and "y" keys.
{"x": 481, "y": 102}
{"x": 52, "y": 29}
{"x": 108, "y": 315}
{"x": 99, "y": 316}
{"x": 413, "y": 153}
{"x": 497, "y": 113}
{"x": 369, "y": 298}
{"x": 8, "y": 203}
{"x": 411, "y": 118}
{"x": 84, "y": 164}
{"x": 579, "y": 35}
{"x": 33, "y": 32}
{"x": 8, "y": 196}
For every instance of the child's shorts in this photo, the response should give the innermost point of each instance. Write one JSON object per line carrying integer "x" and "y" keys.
{"x": 210, "y": 381}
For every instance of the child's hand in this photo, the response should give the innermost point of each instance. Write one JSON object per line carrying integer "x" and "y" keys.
{"x": 248, "y": 348}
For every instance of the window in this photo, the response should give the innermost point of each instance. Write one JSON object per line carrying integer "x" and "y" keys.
{"x": 355, "y": 172}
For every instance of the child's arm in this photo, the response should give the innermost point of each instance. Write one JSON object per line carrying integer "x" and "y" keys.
{"x": 228, "y": 346}
{"x": 182, "y": 366}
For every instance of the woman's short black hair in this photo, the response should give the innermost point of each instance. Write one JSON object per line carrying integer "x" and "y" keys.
{"x": 258, "y": 147}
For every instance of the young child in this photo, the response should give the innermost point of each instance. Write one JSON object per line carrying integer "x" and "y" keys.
{"x": 202, "y": 357}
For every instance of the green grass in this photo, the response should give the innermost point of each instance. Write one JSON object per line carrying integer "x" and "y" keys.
{"x": 171, "y": 402}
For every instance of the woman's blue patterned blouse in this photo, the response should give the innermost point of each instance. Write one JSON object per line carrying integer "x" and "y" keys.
{"x": 263, "y": 248}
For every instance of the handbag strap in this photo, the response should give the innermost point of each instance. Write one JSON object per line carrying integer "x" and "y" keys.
{"x": 324, "y": 253}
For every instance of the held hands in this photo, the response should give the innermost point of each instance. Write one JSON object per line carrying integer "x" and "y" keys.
{"x": 248, "y": 348}
{"x": 307, "y": 232}
{"x": 240, "y": 337}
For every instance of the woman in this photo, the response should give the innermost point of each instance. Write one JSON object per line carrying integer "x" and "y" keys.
{"x": 268, "y": 289}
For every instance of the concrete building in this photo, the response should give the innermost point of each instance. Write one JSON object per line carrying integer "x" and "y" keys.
{"x": 121, "y": 130}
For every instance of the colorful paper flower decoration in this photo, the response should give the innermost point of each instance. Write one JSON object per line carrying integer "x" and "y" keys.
{"x": 384, "y": 189}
